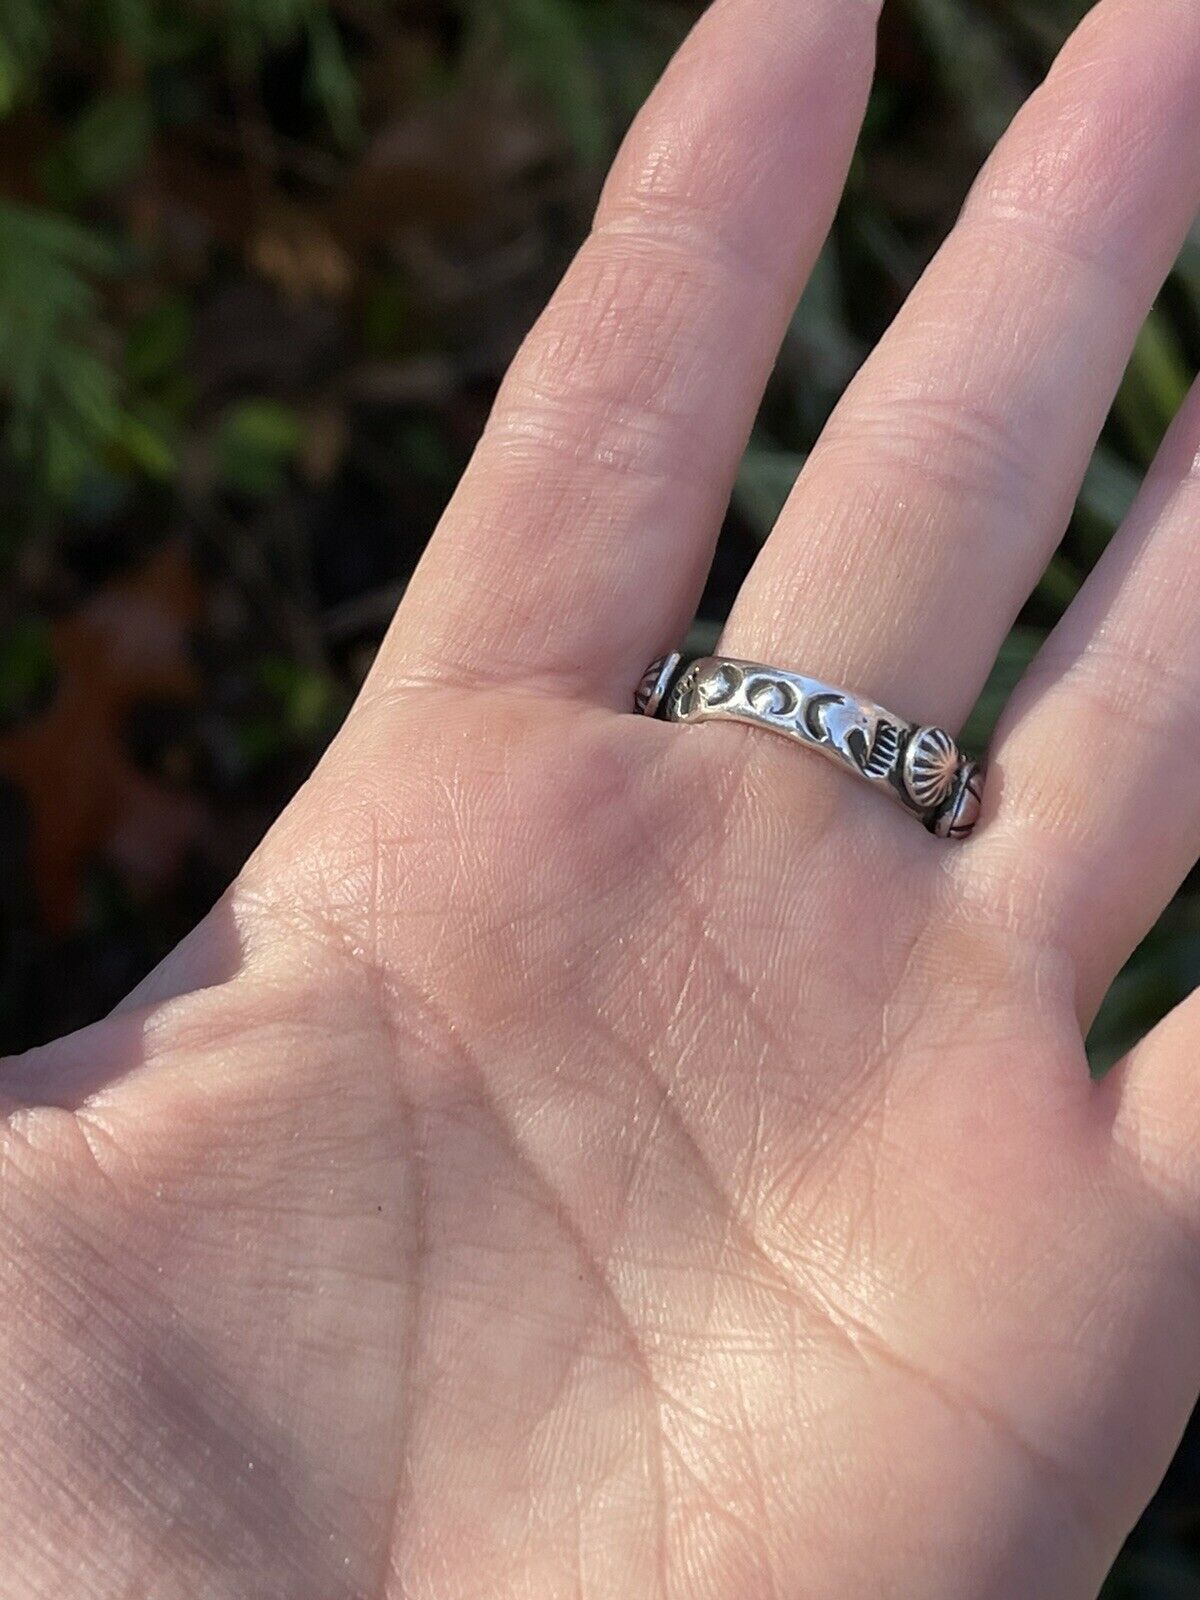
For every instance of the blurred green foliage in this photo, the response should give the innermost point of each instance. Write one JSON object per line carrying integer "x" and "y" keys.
{"x": 261, "y": 265}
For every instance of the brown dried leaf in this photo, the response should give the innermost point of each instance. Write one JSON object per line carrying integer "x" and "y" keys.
{"x": 86, "y": 798}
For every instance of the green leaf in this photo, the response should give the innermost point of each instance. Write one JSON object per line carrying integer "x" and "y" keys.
{"x": 63, "y": 403}
{"x": 307, "y": 703}
{"x": 331, "y": 81}
{"x": 146, "y": 447}
{"x": 1155, "y": 386}
{"x": 824, "y": 352}
{"x": 548, "y": 41}
{"x": 1015, "y": 656}
{"x": 1109, "y": 489}
{"x": 255, "y": 442}
{"x": 1059, "y": 584}
{"x": 1163, "y": 971}
{"x": 24, "y": 40}
{"x": 158, "y": 341}
{"x": 308, "y": 697}
{"x": 1108, "y": 492}
{"x": 107, "y": 145}
{"x": 972, "y": 63}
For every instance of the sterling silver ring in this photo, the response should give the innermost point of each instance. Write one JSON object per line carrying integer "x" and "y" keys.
{"x": 921, "y": 768}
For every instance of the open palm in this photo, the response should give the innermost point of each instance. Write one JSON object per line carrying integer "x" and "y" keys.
{"x": 591, "y": 1157}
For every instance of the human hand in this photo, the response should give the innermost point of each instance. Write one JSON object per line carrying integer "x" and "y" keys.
{"x": 585, "y": 1156}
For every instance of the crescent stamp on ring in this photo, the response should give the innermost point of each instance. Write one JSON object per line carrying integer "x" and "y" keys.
{"x": 920, "y": 767}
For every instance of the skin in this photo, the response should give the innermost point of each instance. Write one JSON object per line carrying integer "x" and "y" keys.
{"x": 587, "y": 1157}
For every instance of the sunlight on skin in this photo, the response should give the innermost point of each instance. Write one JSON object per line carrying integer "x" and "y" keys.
{"x": 589, "y": 1157}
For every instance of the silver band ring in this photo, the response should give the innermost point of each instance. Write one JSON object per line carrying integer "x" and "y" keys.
{"x": 921, "y": 768}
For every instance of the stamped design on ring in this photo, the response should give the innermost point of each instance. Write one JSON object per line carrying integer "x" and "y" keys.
{"x": 920, "y": 767}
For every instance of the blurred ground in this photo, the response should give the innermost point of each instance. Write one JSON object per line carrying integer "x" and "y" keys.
{"x": 261, "y": 267}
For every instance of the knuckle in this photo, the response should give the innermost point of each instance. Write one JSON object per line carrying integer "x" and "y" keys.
{"x": 965, "y": 449}
{"x": 615, "y": 372}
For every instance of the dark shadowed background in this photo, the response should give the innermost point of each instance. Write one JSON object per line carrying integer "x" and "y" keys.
{"x": 262, "y": 264}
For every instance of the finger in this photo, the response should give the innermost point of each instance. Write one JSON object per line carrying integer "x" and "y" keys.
{"x": 1153, "y": 1100}
{"x": 1098, "y": 759}
{"x": 578, "y": 542}
{"x": 948, "y": 473}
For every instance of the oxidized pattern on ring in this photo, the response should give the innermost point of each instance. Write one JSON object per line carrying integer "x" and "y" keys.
{"x": 922, "y": 768}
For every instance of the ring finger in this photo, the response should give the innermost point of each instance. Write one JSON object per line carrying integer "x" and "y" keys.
{"x": 947, "y": 475}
